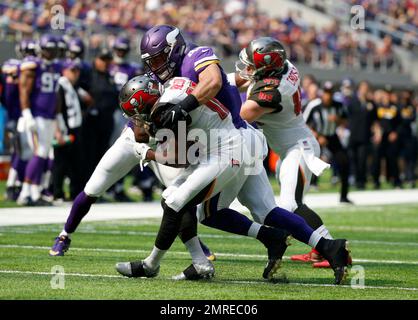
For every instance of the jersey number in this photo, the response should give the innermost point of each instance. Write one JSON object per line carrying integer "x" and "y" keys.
{"x": 49, "y": 82}
{"x": 213, "y": 104}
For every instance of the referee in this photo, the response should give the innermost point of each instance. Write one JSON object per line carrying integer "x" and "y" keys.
{"x": 324, "y": 119}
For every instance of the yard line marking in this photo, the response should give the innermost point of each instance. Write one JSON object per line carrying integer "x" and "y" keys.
{"x": 87, "y": 275}
{"x": 203, "y": 235}
{"x": 232, "y": 255}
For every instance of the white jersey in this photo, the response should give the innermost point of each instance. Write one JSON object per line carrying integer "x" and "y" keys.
{"x": 211, "y": 123}
{"x": 285, "y": 126}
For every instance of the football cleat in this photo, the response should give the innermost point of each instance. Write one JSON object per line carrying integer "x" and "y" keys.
{"x": 136, "y": 269}
{"x": 338, "y": 255}
{"x": 209, "y": 254}
{"x": 276, "y": 241}
{"x": 323, "y": 264}
{"x": 313, "y": 256}
{"x": 61, "y": 245}
{"x": 197, "y": 272}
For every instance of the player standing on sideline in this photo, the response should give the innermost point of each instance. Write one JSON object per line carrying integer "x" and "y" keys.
{"x": 121, "y": 70}
{"x": 10, "y": 98}
{"x": 37, "y": 92}
{"x": 274, "y": 102}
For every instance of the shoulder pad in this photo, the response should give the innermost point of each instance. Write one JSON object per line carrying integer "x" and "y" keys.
{"x": 265, "y": 92}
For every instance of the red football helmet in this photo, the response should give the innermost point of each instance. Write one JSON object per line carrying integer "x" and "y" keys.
{"x": 262, "y": 57}
{"x": 137, "y": 97}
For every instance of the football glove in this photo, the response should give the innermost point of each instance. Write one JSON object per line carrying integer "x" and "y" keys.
{"x": 140, "y": 150}
{"x": 179, "y": 112}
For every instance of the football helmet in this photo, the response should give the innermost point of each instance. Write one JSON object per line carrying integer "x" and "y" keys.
{"x": 76, "y": 48}
{"x": 121, "y": 48}
{"x": 137, "y": 97}
{"x": 262, "y": 57}
{"x": 27, "y": 47}
{"x": 162, "y": 50}
{"x": 48, "y": 46}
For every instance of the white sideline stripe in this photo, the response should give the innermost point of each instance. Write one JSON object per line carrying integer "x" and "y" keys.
{"x": 232, "y": 255}
{"x": 86, "y": 275}
{"x": 117, "y": 211}
{"x": 203, "y": 235}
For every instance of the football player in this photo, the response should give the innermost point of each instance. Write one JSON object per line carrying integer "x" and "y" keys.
{"x": 122, "y": 157}
{"x": 274, "y": 103}
{"x": 37, "y": 94}
{"x": 214, "y": 183}
{"x": 10, "y": 98}
{"x": 166, "y": 54}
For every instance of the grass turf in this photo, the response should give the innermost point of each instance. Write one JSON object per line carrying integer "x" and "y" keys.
{"x": 384, "y": 241}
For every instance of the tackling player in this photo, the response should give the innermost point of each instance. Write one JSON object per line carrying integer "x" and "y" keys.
{"x": 215, "y": 183}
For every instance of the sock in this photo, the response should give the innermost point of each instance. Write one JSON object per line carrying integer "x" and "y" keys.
{"x": 154, "y": 259}
{"x": 11, "y": 178}
{"x": 80, "y": 208}
{"x": 254, "y": 230}
{"x": 35, "y": 169}
{"x": 314, "y": 239}
{"x": 296, "y": 225}
{"x": 25, "y": 192}
{"x": 64, "y": 233}
{"x": 310, "y": 216}
{"x": 21, "y": 168}
{"x": 195, "y": 249}
{"x": 324, "y": 232}
{"x": 35, "y": 192}
{"x": 230, "y": 221}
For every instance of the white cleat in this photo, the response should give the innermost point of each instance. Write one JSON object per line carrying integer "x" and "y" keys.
{"x": 197, "y": 272}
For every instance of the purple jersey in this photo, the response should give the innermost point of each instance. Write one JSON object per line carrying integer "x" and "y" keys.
{"x": 194, "y": 62}
{"x": 10, "y": 72}
{"x": 44, "y": 93}
{"x": 122, "y": 72}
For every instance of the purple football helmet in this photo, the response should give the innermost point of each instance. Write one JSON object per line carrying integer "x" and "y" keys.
{"x": 76, "y": 48}
{"x": 162, "y": 50}
{"x": 48, "y": 46}
{"x": 62, "y": 47}
{"x": 27, "y": 47}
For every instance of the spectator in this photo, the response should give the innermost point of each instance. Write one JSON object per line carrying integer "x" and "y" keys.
{"x": 361, "y": 113}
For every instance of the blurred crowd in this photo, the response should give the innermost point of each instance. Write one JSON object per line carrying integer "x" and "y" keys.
{"x": 379, "y": 132}
{"x": 228, "y": 25}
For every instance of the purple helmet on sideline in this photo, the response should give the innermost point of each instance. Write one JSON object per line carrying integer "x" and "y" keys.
{"x": 76, "y": 48}
{"x": 62, "y": 47}
{"x": 48, "y": 46}
{"x": 122, "y": 43}
{"x": 26, "y": 47}
{"x": 162, "y": 50}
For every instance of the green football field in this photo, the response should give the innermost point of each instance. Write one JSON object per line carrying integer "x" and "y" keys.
{"x": 384, "y": 243}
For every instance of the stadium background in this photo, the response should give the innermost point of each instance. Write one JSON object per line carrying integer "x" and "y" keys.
{"x": 321, "y": 42}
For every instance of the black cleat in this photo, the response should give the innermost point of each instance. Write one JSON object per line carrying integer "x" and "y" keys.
{"x": 135, "y": 269}
{"x": 276, "y": 241}
{"x": 338, "y": 256}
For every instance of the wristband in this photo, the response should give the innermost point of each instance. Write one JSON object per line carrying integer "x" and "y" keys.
{"x": 189, "y": 103}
